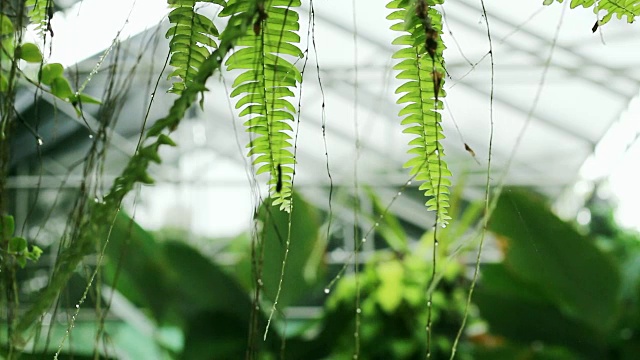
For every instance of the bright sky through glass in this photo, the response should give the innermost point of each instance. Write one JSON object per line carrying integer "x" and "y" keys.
{"x": 90, "y": 26}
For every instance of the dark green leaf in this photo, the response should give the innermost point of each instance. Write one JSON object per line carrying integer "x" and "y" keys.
{"x": 17, "y": 245}
{"x": 550, "y": 254}
{"x": 7, "y": 226}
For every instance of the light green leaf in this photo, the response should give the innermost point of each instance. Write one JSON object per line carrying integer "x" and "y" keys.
{"x": 50, "y": 72}
{"x": 6, "y": 26}
{"x": 61, "y": 88}
{"x": 30, "y": 53}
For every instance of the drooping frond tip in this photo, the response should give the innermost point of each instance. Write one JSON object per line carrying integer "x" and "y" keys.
{"x": 265, "y": 55}
{"x": 421, "y": 66}
{"x": 618, "y": 8}
{"x": 40, "y": 12}
{"x": 192, "y": 36}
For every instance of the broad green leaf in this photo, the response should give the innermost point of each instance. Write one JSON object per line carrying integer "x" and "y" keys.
{"x": 86, "y": 99}
{"x": 30, "y": 53}
{"x": 7, "y": 226}
{"x": 17, "y": 245}
{"x": 6, "y": 26}
{"x": 49, "y": 72}
{"x": 523, "y": 312}
{"x": 547, "y": 253}
{"x": 61, "y": 88}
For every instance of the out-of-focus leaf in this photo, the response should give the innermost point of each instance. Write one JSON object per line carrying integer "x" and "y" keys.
{"x": 6, "y": 26}
{"x": 548, "y": 254}
{"x": 389, "y": 226}
{"x": 303, "y": 263}
{"x": 50, "y": 72}
{"x": 523, "y": 313}
{"x": 61, "y": 88}
{"x": 30, "y": 53}
{"x": 7, "y": 226}
{"x": 390, "y": 292}
{"x": 143, "y": 272}
{"x": 17, "y": 245}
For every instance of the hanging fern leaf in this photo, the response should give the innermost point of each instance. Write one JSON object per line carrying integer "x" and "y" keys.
{"x": 40, "y": 12}
{"x": 192, "y": 36}
{"x": 619, "y": 8}
{"x": 264, "y": 87}
{"x": 421, "y": 66}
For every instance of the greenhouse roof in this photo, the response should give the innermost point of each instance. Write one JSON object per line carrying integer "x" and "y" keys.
{"x": 551, "y": 90}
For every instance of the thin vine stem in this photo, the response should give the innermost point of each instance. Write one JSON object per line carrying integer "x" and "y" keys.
{"x": 487, "y": 192}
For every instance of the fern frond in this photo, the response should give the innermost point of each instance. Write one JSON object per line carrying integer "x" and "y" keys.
{"x": 39, "y": 14}
{"x": 265, "y": 86}
{"x": 421, "y": 65}
{"x": 619, "y": 8}
{"x": 192, "y": 36}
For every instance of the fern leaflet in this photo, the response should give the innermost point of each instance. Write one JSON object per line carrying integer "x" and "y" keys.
{"x": 421, "y": 66}
{"x": 192, "y": 35}
{"x": 40, "y": 12}
{"x": 619, "y": 8}
{"x": 264, "y": 87}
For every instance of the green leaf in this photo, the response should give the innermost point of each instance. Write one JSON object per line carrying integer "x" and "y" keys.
{"x": 548, "y": 253}
{"x": 303, "y": 262}
{"x": 7, "y": 226}
{"x": 17, "y": 245}
{"x": 6, "y": 26}
{"x": 4, "y": 84}
{"x": 30, "y": 53}
{"x": 34, "y": 253}
{"x": 522, "y": 312}
{"x": 390, "y": 291}
{"x": 421, "y": 67}
{"x": 85, "y": 99}
{"x": 49, "y": 72}
{"x": 264, "y": 85}
{"x": 21, "y": 260}
{"x": 61, "y": 88}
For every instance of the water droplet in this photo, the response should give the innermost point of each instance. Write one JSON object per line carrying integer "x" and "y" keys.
{"x": 260, "y": 283}
{"x": 77, "y": 306}
{"x": 338, "y": 276}
{"x": 437, "y": 243}
{"x": 326, "y": 290}
{"x": 355, "y": 335}
{"x": 399, "y": 193}
{"x": 427, "y": 328}
{"x": 364, "y": 240}
{"x": 429, "y": 303}
{"x": 40, "y": 142}
{"x": 358, "y": 310}
{"x": 377, "y": 224}
{"x": 257, "y": 307}
{"x": 444, "y": 226}
{"x": 409, "y": 182}
{"x": 90, "y": 136}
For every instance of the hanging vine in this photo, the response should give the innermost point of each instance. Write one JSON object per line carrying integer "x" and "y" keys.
{"x": 421, "y": 65}
{"x": 617, "y": 8}
{"x": 191, "y": 35}
{"x": 264, "y": 87}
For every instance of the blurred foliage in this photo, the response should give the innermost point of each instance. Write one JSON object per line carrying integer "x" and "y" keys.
{"x": 554, "y": 294}
{"x": 557, "y": 294}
